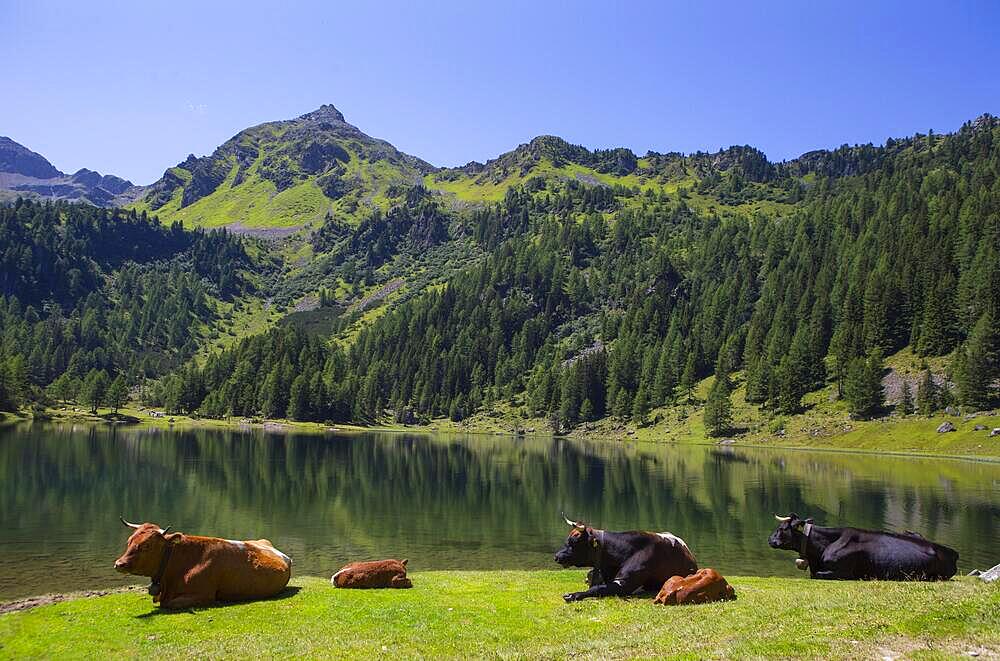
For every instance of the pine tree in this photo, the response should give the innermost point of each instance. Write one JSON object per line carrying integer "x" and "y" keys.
{"x": 863, "y": 386}
{"x": 569, "y": 405}
{"x": 664, "y": 381}
{"x": 719, "y": 406}
{"x": 977, "y": 364}
{"x": 795, "y": 374}
{"x": 622, "y": 404}
{"x": 8, "y": 398}
{"x": 456, "y": 412}
{"x": 640, "y": 405}
{"x": 117, "y": 394}
{"x": 905, "y": 404}
{"x": 298, "y": 400}
{"x": 63, "y": 388}
{"x": 690, "y": 377}
{"x": 95, "y": 386}
{"x": 928, "y": 399}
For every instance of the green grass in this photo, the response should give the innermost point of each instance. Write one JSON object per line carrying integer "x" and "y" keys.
{"x": 255, "y": 203}
{"x": 521, "y": 614}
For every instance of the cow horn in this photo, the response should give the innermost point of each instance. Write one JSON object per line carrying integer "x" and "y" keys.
{"x": 783, "y": 519}
{"x": 568, "y": 522}
{"x": 130, "y": 525}
{"x": 164, "y": 531}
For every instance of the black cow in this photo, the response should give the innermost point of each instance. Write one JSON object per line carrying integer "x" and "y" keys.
{"x": 632, "y": 561}
{"x": 854, "y": 554}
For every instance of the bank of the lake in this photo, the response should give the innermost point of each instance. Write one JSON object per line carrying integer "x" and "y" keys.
{"x": 521, "y": 614}
{"x": 813, "y": 429}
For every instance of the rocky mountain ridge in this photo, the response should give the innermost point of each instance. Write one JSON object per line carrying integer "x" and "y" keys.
{"x": 26, "y": 173}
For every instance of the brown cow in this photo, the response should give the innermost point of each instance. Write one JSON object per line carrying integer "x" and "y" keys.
{"x": 196, "y": 571}
{"x": 373, "y": 574}
{"x": 698, "y": 588}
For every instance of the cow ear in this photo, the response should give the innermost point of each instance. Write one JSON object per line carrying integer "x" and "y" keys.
{"x": 171, "y": 537}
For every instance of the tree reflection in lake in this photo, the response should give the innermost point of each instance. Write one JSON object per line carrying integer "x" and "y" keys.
{"x": 462, "y": 502}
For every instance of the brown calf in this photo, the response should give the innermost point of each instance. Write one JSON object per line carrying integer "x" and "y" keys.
{"x": 196, "y": 571}
{"x": 698, "y": 588}
{"x": 374, "y": 574}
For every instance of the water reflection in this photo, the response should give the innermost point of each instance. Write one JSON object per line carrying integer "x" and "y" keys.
{"x": 447, "y": 501}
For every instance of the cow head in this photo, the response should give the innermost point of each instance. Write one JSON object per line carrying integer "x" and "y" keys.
{"x": 788, "y": 535}
{"x": 580, "y": 548}
{"x": 144, "y": 550}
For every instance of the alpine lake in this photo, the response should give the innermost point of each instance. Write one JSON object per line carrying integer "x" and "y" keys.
{"x": 447, "y": 501}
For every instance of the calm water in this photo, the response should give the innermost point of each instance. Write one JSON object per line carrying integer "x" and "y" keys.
{"x": 475, "y": 502}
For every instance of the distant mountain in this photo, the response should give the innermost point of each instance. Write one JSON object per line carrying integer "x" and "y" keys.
{"x": 18, "y": 159}
{"x": 24, "y": 173}
{"x": 286, "y": 174}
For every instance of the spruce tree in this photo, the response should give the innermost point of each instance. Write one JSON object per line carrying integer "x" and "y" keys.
{"x": 690, "y": 377}
{"x": 640, "y": 406}
{"x": 664, "y": 380}
{"x": 977, "y": 364}
{"x": 117, "y": 394}
{"x": 863, "y": 385}
{"x": 95, "y": 386}
{"x": 905, "y": 404}
{"x": 622, "y": 405}
{"x": 298, "y": 405}
{"x": 927, "y": 394}
{"x": 719, "y": 406}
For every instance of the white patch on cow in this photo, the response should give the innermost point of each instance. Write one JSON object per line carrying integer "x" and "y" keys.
{"x": 673, "y": 539}
{"x": 276, "y": 552}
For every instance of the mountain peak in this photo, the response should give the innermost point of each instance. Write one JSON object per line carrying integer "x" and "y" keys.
{"x": 325, "y": 113}
{"x": 18, "y": 159}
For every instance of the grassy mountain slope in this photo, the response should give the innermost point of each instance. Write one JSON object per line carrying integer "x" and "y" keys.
{"x": 582, "y": 300}
{"x": 284, "y": 174}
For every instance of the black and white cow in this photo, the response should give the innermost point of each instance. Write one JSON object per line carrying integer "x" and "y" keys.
{"x": 624, "y": 562}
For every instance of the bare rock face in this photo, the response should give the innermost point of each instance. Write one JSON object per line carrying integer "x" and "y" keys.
{"x": 24, "y": 173}
{"x": 995, "y": 432}
{"x": 18, "y": 159}
{"x": 945, "y": 427}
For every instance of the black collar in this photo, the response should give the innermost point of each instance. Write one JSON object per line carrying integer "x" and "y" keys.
{"x": 154, "y": 585}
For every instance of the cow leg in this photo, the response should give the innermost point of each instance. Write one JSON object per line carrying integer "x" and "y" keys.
{"x": 612, "y": 589}
{"x": 840, "y": 564}
{"x": 187, "y": 601}
{"x": 632, "y": 576}
{"x": 197, "y": 588}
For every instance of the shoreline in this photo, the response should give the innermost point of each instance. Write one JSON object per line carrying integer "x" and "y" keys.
{"x": 920, "y": 447}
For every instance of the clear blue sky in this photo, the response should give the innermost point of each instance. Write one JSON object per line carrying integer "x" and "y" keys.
{"x": 131, "y": 88}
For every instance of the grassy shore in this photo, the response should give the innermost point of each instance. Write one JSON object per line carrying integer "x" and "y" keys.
{"x": 521, "y": 614}
{"x": 823, "y": 424}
